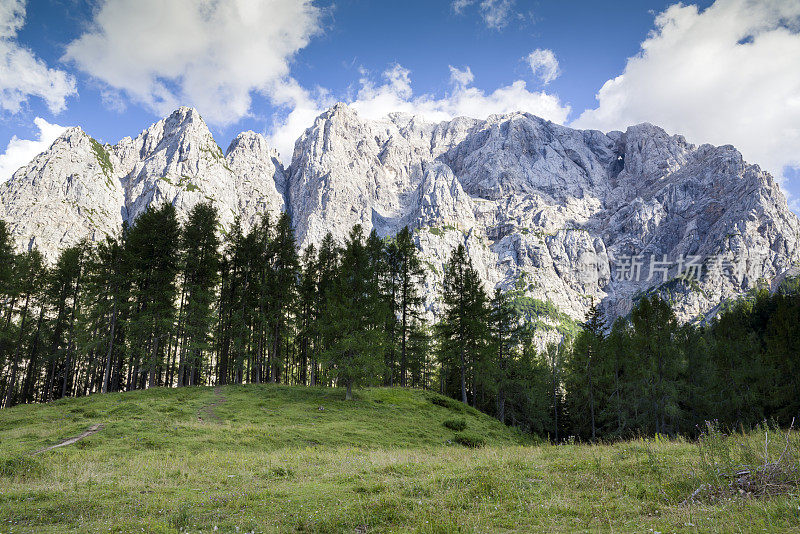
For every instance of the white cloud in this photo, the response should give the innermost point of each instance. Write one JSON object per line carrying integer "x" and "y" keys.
{"x": 544, "y": 65}
{"x": 304, "y": 108}
{"x": 460, "y": 5}
{"x": 395, "y": 94}
{"x": 211, "y": 55}
{"x": 461, "y": 78}
{"x": 496, "y": 14}
{"x": 727, "y": 75}
{"x": 22, "y": 74}
{"x": 20, "y": 152}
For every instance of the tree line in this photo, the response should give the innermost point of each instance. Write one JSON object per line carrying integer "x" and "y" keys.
{"x": 648, "y": 374}
{"x": 171, "y": 305}
{"x": 166, "y": 304}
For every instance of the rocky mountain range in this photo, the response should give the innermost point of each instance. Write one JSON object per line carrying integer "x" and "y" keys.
{"x": 565, "y": 218}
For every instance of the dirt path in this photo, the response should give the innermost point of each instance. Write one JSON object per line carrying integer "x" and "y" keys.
{"x": 92, "y": 430}
{"x": 207, "y": 413}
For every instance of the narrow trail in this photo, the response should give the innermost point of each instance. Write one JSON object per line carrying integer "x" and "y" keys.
{"x": 208, "y": 410}
{"x": 92, "y": 430}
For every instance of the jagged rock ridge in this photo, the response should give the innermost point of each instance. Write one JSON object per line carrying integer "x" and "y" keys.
{"x": 545, "y": 209}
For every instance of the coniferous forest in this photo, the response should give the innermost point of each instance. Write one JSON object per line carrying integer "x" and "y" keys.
{"x": 171, "y": 305}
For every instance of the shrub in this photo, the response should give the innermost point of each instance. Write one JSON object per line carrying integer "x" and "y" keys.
{"x": 447, "y": 402}
{"x": 455, "y": 424}
{"x": 468, "y": 439}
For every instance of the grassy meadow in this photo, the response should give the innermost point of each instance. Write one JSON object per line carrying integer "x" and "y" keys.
{"x": 270, "y": 458}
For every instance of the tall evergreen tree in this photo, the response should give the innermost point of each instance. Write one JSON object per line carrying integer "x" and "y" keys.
{"x": 503, "y": 330}
{"x": 555, "y": 355}
{"x": 152, "y": 248}
{"x": 28, "y": 275}
{"x": 582, "y": 375}
{"x": 658, "y": 366}
{"x": 410, "y": 276}
{"x": 285, "y": 274}
{"x": 352, "y": 315}
{"x": 463, "y": 328}
{"x": 616, "y": 373}
{"x": 200, "y": 273}
{"x": 307, "y": 313}
{"x": 328, "y": 266}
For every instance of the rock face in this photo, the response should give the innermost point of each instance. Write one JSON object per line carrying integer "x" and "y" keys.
{"x": 79, "y": 189}
{"x": 565, "y": 217}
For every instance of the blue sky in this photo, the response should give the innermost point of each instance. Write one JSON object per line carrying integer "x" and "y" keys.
{"x": 720, "y": 72}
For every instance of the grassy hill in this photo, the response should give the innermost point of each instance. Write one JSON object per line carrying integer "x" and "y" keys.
{"x": 291, "y": 459}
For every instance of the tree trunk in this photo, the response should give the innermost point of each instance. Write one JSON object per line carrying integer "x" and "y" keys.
{"x": 403, "y": 360}
{"x": 463, "y": 378}
{"x": 15, "y": 363}
{"x": 152, "y": 374}
{"x": 110, "y": 352}
{"x": 33, "y": 361}
{"x": 501, "y": 406}
{"x": 591, "y": 400}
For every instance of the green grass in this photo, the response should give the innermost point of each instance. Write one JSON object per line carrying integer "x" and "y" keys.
{"x": 102, "y": 159}
{"x": 268, "y": 459}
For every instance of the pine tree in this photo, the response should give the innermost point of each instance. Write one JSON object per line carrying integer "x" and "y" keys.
{"x": 737, "y": 358}
{"x": 463, "y": 328}
{"x": 200, "y": 273}
{"x": 285, "y": 273}
{"x": 62, "y": 289}
{"x": 782, "y": 357}
{"x": 410, "y": 276}
{"x": 504, "y": 330}
{"x": 528, "y": 387}
{"x": 8, "y": 296}
{"x": 328, "y": 267}
{"x": 658, "y": 366}
{"x": 6, "y": 260}
{"x": 307, "y": 313}
{"x": 555, "y": 356}
{"x": 616, "y": 372}
{"x": 28, "y": 274}
{"x": 582, "y": 375}
{"x": 419, "y": 351}
{"x": 152, "y": 248}
{"x": 352, "y": 316}
{"x": 111, "y": 280}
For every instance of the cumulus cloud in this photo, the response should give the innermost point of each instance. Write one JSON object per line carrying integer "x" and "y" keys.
{"x": 544, "y": 65}
{"x": 22, "y": 74}
{"x": 729, "y": 74}
{"x": 20, "y": 152}
{"x": 496, "y": 14}
{"x": 211, "y": 55}
{"x": 394, "y": 93}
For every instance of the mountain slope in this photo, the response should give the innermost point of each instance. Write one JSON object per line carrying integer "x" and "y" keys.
{"x": 549, "y": 208}
{"x": 551, "y": 211}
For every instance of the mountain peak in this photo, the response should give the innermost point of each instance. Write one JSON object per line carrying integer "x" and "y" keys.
{"x": 249, "y": 140}
{"x": 71, "y": 136}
